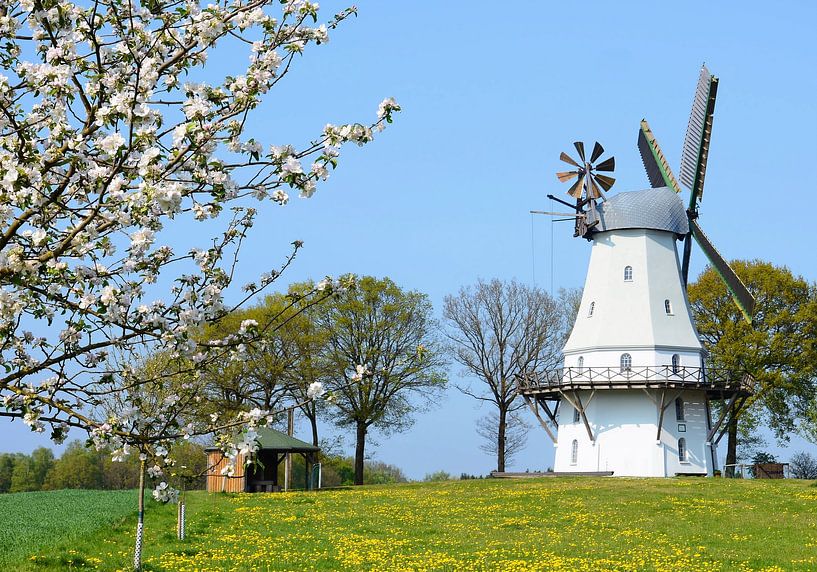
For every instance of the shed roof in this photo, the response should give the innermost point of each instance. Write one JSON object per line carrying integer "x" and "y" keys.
{"x": 269, "y": 438}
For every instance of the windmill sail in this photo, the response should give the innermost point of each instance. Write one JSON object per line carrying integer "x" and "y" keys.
{"x": 658, "y": 170}
{"x": 740, "y": 294}
{"x": 699, "y": 131}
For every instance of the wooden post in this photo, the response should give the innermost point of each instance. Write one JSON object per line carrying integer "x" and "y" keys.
{"x": 288, "y": 461}
{"x": 140, "y": 524}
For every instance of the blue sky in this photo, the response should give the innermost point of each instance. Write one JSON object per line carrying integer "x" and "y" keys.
{"x": 491, "y": 93}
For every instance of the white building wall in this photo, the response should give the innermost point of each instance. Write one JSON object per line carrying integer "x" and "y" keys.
{"x": 625, "y": 426}
{"x": 630, "y": 314}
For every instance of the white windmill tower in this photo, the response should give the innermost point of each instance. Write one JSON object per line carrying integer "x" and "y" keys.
{"x": 633, "y": 397}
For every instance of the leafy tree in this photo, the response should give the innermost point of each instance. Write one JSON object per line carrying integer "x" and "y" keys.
{"x": 384, "y": 351}
{"x": 779, "y": 350}
{"x": 7, "y": 462}
{"x": 42, "y": 460}
{"x": 803, "y": 466}
{"x": 499, "y": 330}
{"x": 438, "y": 477}
{"x": 77, "y": 468}
{"x": 23, "y": 478}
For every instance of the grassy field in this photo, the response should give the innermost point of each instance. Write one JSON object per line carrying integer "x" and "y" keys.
{"x": 34, "y": 520}
{"x": 543, "y": 524}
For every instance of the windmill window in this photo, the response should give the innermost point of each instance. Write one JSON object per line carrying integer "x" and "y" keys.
{"x": 580, "y": 363}
{"x": 628, "y": 273}
{"x": 592, "y": 308}
{"x": 679, "y": 409}
{"x": 575, "y": 415}
{"x": 668, "y": 307}
{"x": 574, "y": 452}
{"x": 676, "y": 363}
{"x": 626, "y": 362}
{"x": 682, "y": 450}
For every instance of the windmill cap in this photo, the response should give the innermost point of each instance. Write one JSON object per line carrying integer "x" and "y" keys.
{"x": 658, "y": 209}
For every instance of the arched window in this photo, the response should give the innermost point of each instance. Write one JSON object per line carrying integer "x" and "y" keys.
{"x": 676, "y": 363}
{"x": 575, "y": 415}
{"x": 592, "y": 308}
{"x": 668, "y": 307}
{"x": 580, "y": 363}
{"x": 574, "y": 452}
{"x": 626, "y": 362}
{"x": 679, "y": 409}
{"x": 628, "y": 273}
{"x": 682, "y": 450}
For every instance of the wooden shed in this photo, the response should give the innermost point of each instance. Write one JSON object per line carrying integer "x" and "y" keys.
{"x": 274, "y": 446}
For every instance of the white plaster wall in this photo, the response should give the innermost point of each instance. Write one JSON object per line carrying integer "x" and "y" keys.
{"x": 625, "y": 425}
{"x": 631, "y": 314}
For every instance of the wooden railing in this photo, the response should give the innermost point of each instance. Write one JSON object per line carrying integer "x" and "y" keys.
{"x": 635, "y": 377}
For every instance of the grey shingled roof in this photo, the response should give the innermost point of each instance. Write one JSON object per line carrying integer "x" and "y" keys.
{"x": 659, "y": 209}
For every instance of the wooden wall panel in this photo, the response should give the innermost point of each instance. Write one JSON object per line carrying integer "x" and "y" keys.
{"x": 216, "y": 482}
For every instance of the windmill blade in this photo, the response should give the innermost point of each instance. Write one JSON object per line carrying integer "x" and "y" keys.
{"x": 597, "y": 151}
{"x": 606, "y": 165}
{"x": 605, "y": 181}
{"x": 566, "y": 175}
{"x": 566, "y": 158}
{"x": 658, "y": 171}
{"x": 580, "y": 148}
{"x": 576, "y": 190}
{"x": 740, "y": 294}
{"x": 699, "y": 132}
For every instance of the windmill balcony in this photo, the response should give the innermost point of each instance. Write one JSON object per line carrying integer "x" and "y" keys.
{"x": 717, "y": 383}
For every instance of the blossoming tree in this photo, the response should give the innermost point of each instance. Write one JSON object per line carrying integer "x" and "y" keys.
{"x": 103, "y": 144}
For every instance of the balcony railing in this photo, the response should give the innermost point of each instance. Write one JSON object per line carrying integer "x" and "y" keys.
{"x": 714, "y": 381}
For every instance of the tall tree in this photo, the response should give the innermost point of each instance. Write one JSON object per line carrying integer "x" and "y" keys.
{"x": 384, "y": 349}
{"x": 779, "y": 350}
{"x": 498, "y": 330}
{"x": 105, "y": 146}
{"x": 77, "y": 468}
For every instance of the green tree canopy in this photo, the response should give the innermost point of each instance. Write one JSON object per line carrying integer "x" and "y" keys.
{"x": 77, "y": 468}
{"x": 779, "y": 350}
{"x": 385, "y": 353}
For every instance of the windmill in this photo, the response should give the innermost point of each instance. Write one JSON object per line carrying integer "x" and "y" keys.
{"x": 692, "y": 173}
{"x": 633, "y": 351}
{"x": 590, "y": 186}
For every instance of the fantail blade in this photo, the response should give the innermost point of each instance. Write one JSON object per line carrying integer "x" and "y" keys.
{"x": 566, "y": 158}
{"x": 606, "y": 165}
{"x": 605, "y": 181}
{"x": 576, "y": 190}
{"x": 566, "y": 175}
{"x": 597, "y": 151}
{"x": 580, "y": 148}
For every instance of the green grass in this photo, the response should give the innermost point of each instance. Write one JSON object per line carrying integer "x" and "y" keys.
{"x": 30, "y": 521}
{"x": 542, "y": 524}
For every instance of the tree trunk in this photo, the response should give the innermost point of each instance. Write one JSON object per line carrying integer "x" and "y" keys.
{"x": 500, "y": 440}
{"x": 140, "y": 522}
{"x": 360, "y": 447}
{"x": 313, "y": 420}
{"x": 731, "y": 447}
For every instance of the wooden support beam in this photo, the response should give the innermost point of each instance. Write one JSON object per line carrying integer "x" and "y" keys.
{"x": 661, "y": 414}
{"x": 551, "y": 414}
{"x": 735, "y": 411}
{"x": 580, "y": 408}
{"x": 533, "y": 407}
{"x": 723, "y": 416}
